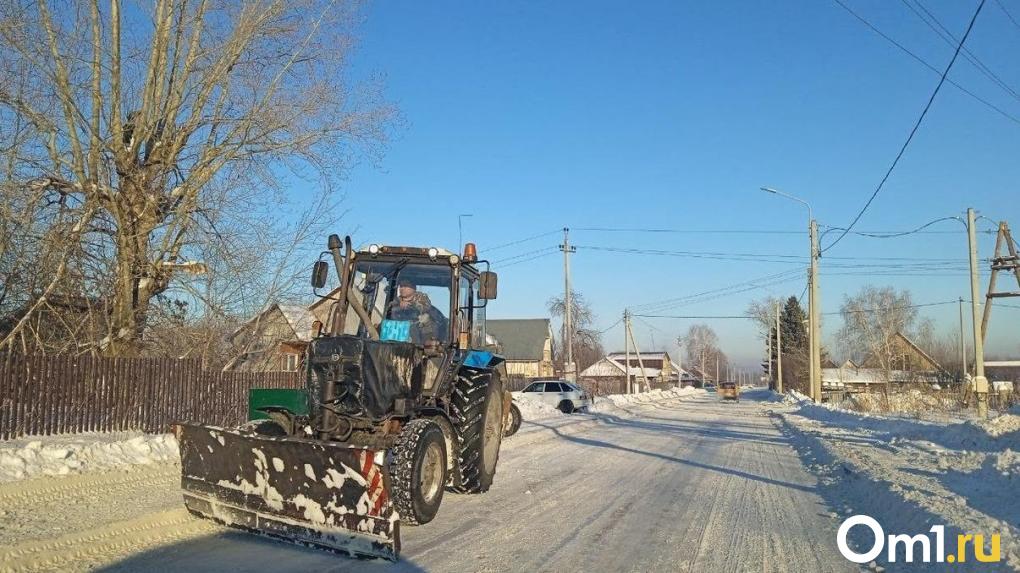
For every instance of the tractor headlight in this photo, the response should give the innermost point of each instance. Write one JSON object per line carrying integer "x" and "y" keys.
{"x": 373, "y": 249}
{"x": 454, "y": 259}
{"x": 433, "y": 253}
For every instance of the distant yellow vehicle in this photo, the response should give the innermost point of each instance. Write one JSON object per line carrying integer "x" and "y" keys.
{"x": 729, "y": 391}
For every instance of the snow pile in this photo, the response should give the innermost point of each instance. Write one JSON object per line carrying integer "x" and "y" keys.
{"x": 619, "y": 401}
{"x": 77, "y": 453}
{"x": 533, "y": 408}
{"x": 1000, "y": 425}
{"x": 909, "y": 474}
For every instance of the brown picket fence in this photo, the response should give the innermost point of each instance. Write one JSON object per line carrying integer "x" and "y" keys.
{"x": 43, "y": 395}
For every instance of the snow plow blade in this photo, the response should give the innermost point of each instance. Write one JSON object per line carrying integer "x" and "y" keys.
{"x": 324, "y": 494}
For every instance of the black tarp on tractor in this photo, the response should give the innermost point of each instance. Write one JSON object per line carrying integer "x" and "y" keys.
{"x": 369, "y": 374}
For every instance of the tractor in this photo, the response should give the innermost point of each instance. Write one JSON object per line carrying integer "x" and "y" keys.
{"x": 402, "y": 401}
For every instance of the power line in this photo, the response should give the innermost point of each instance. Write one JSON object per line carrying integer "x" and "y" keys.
{"x": 1006, "y": 12}
{"x": 891, "y": 235}
{"x": 924, "y": 63}
{"x": 890, "y": 308}
{"x": 913, "y": 131}
{"x": 536, "y": 251}
{"x": 948, "y": 38}
{"x": 744, "y": 316}
{"x": 688, "y": 231}
{"x": 524, "y": 240}
{"x": 698, "y": 317}
{"x": 610, "y": 327}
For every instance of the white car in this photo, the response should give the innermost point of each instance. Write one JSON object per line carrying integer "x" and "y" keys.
{"x": 563, "y": 395}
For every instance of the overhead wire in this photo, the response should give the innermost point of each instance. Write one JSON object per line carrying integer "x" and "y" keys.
{"x": 913, "y": 131}
{"x": 923, "y": 62}
{"x": 933, "y": 22}
{"x": 524, "y": 240}
{"x": 1008, "y": 15}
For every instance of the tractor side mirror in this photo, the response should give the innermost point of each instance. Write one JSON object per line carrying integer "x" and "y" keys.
{"x": 320, "y": 272}
{"x": 487, "y": 286}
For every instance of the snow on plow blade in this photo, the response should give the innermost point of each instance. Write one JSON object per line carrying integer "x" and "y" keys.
{"x": 324, "y": 494}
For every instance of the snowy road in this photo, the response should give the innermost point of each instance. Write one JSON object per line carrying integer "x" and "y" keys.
{"x": 692, "y": 485}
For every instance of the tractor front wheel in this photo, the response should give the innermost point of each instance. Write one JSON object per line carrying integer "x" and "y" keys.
{"x": 418, "y": 471}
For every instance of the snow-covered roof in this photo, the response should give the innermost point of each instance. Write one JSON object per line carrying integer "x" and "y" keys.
{"x": 634, "y": 355}
{"x": 608, "y": 367}
{"x": 867, "y": 376}
{"x": 300, "y": 319}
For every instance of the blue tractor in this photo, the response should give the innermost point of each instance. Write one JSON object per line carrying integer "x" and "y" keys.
{"x": 402, "y": 401}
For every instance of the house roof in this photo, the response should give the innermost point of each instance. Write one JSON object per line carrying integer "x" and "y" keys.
{"x": 656, "y": 355}
{"x": 607, "y": 367}
{"x": 298, "y": 318}
{"x": 867, "y": 375}
{"x": 870, "y": 359}
{"x": 520, "y": 338}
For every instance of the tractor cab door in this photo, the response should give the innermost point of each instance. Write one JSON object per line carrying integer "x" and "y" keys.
{"x": 470, "y": 316}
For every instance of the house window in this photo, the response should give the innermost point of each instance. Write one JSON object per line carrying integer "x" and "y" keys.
{"x": 291, "y": 362}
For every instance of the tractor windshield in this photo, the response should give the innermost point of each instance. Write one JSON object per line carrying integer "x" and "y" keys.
{"x": 407, "y": 302}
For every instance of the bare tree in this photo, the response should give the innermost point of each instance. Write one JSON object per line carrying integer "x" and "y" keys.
{"x": 872, "y": 318}
{"x": 701, "y": 347}
{"x": 587, "y": 340}
{"x": 159, "y": 135}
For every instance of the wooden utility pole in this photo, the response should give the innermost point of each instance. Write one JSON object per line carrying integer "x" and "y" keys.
{"x": 626, "y": 346}
{"x": 816, "y": 314}
{"x": 569, "y": 371}
{"x": 641, "y": 364}
{"x": 779, "y": 353}
{"x": 963, "y": 347}
{"x": 771, "y": 379}
{"x": 980, "y": 382}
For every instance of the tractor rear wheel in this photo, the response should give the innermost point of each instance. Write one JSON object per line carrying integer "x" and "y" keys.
{"x": 513, "y": 422}
{"x": 477, "y": 406}
{"x": 418, "y": 471}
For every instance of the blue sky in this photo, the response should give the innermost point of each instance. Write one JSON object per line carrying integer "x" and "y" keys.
{"x": 533, "y": 116}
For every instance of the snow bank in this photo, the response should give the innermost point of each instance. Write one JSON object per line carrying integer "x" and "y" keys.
{"x": 614, "y": 402}
{"x": 533, "y": 408}
{"x": 909, "y": 473}
{"x": 76, "y": 453}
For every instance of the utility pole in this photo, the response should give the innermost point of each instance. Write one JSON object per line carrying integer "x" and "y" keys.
{"x": 717, "y": 369}
{"x": 811, "y": 340}
{"x": 770, "y": 360}
{"x": 816, "y": 314}
{"x": 980, "y": 382}
{"x": 680, "y": 362}
{"x": 963, "y": 347}
{"x": 626, "y": 346}
{"x": 641, "y": 364}
{"x": 568, "y": 332}
{"x": 779, "y": 353}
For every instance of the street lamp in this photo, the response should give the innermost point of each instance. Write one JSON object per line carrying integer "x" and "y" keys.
{"x": 814, "y": 311}
{"x": 460, "y": 229}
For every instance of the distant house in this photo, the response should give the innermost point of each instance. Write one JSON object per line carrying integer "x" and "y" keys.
{"x": 609, "y": 375}
{"x": 273, "y": 340}
{"x": 659, "y": 361}
{"x": 903, "y": 354}
{"x": 526, "y": 343}
{"x": 1002, "y": 370}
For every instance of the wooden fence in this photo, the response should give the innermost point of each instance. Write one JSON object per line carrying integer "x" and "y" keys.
{"x": 41, "y": 395}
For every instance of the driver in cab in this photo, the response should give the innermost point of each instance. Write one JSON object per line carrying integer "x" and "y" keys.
{"x": 416, "y": 307}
